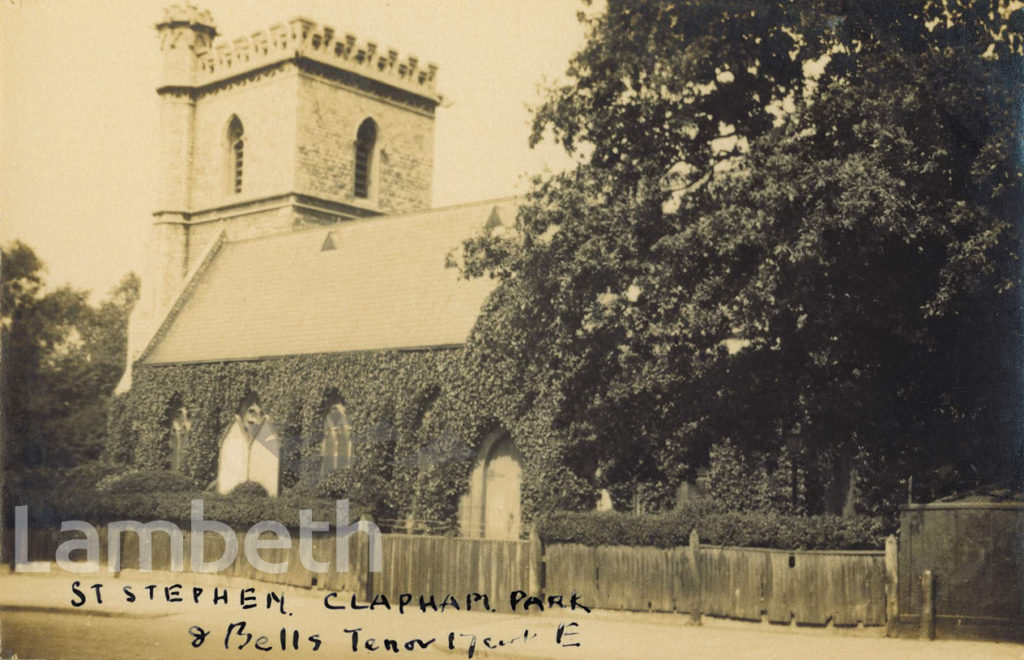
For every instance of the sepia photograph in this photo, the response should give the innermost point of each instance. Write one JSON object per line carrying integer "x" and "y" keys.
{"x": 549, "y": 329}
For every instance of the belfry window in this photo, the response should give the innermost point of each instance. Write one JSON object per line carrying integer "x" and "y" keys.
{"x": 366, "y": 141}
{"x": 181, "y": 428}
{"x": 236, "y": 154}
{"x": 336, "y": 448}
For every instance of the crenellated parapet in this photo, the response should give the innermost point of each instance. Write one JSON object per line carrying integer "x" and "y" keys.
{"x": 187, "y": 15}
{"x": 190, "y": 17}
{"x": 303, "y": 38}
{"x": 185, "y": 32}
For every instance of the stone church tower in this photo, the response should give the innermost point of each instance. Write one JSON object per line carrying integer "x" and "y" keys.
{"x": 293, "y": 126}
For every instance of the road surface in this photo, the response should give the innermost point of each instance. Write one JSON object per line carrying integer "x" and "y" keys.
{"x": 38, "y": 619}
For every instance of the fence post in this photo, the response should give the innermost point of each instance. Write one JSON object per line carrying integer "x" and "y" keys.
{"x": 694, "y": 550}
{"x": 892, "y": 581}
{"x": 536, "y": 562}
{"x": 359, "y": 566}
{"x": 927, "y": 606}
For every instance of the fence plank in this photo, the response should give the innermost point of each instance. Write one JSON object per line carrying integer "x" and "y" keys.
{"x": 442, "y": 565}
{"x": 572, "y": 566}
{"x": 733, "y": 582}
{"x": 685, "y": 582}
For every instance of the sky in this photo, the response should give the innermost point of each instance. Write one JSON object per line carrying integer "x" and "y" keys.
{"x": 78, "y": 108}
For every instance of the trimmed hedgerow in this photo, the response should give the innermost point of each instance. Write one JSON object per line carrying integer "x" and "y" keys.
{"x": 616, "y": 528}
{"x": 85, "y": 476}
{"x": 240, "y": 512}
{"x": 715, "y": 527}
{"x": 148, "y": 481}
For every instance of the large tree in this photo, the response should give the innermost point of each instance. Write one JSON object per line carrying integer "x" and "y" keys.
{"x": 63, "y": 357}
{"x": 794, "y": 230}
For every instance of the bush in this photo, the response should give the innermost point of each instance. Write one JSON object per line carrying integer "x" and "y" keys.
{"x": 248, "y": 489}
{"x": 715, "y": 527}
{"x": 756, "y": 481}
{"x": 148, "y": 481}
{"x": 99, "y": 507}
{"x": 334, "y": 485}
{"x": 138, "y": 496}
{"x": 87, "y": 475}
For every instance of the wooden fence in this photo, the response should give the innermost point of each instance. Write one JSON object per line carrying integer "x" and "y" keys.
{"x": 411, "y": 564}
{"x": 955, "y": 570}
{"x": 443, "y": 565}
{"x": 846, "y": 588}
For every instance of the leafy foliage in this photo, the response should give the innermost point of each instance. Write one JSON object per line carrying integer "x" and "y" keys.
{"x": 715, "y": 526}
{"x": 62, "y": 358}
{"x": 755, "y": 482}
{"x": 794, "y": 230}
{"x": 48, "y": 508}
{"x": 248, "y": 489}
{"x": 148, "y": 481}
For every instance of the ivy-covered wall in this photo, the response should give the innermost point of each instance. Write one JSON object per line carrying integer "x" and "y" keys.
{"x": 417, "y": 419}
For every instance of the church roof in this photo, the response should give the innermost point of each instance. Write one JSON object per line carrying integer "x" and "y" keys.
{"x": 370, "y": 284}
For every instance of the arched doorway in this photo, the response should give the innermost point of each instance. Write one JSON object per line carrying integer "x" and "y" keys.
{"x": 503, "y": 477}
{"x": 491, "y": 508}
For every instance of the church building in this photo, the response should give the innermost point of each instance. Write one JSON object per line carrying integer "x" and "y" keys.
{"x": 300, "y": 320}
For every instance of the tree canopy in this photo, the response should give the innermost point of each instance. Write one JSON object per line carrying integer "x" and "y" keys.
{"x": 62, "y": 358}
{"x": 794, "y": 231}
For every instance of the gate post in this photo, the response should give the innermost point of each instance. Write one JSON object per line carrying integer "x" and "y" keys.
{"x": 892, "y": 581}
{"x": 536, "y": 562}
{"x": 694, "y": 551}
{"x": 927, "y": 606}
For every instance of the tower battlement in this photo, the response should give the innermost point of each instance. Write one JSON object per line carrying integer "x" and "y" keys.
{"x": 301, "y": 37}
{"x": 188, "y": 16}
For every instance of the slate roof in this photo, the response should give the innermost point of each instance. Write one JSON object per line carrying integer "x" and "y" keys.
{"x": 384, "y": 285}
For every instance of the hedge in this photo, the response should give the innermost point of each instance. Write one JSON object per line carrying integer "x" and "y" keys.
{"x": 148, "y": 481}
{"x": 715, "y": 527}
{"x": 49, "y": 509}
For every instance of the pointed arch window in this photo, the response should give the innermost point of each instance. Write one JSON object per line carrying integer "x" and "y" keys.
{"x": 236, "y": 153}
{"x": 336, "y": 448}
{"x": 181, "y": 429}
{"x": 366, "y": 143}
{"x": 252, "y": 417}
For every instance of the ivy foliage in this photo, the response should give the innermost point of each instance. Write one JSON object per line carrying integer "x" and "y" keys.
{"x": 417, "y": 419}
